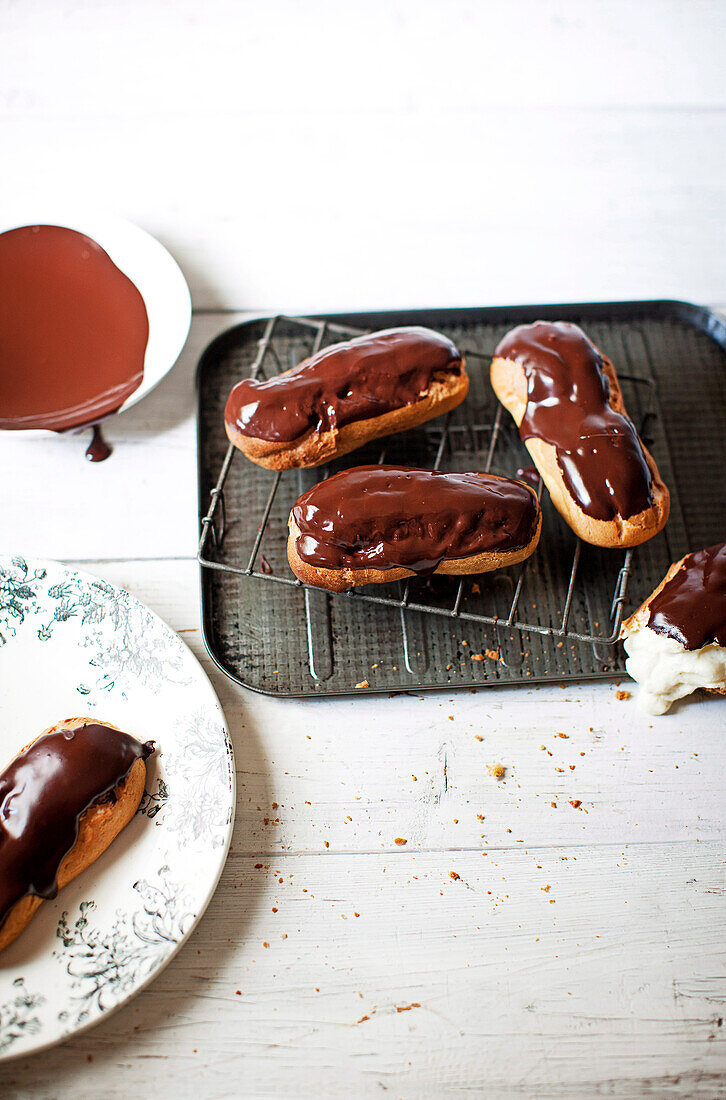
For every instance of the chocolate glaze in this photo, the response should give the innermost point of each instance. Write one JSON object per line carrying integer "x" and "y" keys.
{"x": 43, "y": 794}
{"x": 73, "y": 330}
{"x": 390, "y": 517}
{"x": 357, "y": 380}
{"x": 599, "y": 453}
{"x": 692, "y": 607}
{"x": 530, "y": 474}
{"x": 98, "y": 449}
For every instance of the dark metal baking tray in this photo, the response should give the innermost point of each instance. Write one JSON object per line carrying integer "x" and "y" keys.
{"x": 555, "y": 618}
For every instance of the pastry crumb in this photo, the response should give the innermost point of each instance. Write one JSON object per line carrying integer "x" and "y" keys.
{"x": 497, "y": 770}
{"x": 576, "y": 803}
{"x": 454, "y": 874}
{"x": 623, "y": 695}
{"x": 363, "y": 684}
{"x": 400, "y": 840}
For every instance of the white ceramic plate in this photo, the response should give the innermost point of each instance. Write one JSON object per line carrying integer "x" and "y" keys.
{"x": 147, "y": 264}
{"x": 72, "y": 645}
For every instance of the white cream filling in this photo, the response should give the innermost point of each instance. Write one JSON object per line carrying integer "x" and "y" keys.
{"x": 666, "y": 670}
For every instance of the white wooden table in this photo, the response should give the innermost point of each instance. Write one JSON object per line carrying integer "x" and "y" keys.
{"x": 314, "y": 157}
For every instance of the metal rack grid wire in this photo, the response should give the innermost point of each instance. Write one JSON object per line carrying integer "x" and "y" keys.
{"x": 214, "y": 523}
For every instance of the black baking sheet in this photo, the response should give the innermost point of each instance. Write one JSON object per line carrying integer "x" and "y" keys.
{"x": 276, "y": 639}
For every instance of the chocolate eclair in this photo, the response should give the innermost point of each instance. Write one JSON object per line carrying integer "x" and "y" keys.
{"x": 63, "y": 800}
{"x": 345, "y": 396}
{"x": 375, "y": 524}
{"x": 565, "y": 398}
{"x": 676, "y": 640}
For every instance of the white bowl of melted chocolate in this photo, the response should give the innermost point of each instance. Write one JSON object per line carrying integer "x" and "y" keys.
{"x": 93, "y": 313}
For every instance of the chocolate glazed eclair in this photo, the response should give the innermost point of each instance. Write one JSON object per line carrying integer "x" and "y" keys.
{"x": 345, "y": 396}
{"x": 63, "y": 800}
{"x": 565, "y": 398}
{"x": 376, "y": 524}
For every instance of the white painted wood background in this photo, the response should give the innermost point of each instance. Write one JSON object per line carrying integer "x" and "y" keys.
{"x": 326, "y": 156}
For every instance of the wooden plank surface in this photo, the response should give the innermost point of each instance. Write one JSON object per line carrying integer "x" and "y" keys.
{"x": 609, "y": 982}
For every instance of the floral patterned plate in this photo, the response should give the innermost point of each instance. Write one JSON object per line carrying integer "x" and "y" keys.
{"x": 74, "y": 645}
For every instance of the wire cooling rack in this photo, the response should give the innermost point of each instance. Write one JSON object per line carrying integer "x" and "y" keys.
{"x": 557, "y": 615}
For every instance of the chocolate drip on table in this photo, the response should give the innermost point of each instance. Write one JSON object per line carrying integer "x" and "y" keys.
{"x": 356, "y": 380}
{"x": 390, "y": 517}
{"x": 691, "y": 607}
{"x": 98, "y": 449}
{"x": 73, "y": 330}
{"x": 598, "y": 449}
{"x": 43, "y": 794}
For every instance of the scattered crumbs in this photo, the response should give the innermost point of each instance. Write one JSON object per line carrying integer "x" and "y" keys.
{"x": 454, "y": 875}
{"x": 326, "y": 843}
{"x": 449, "y": 667}
{"x": 274, "y": 908}
{"x": 497, "y": 770}
{"x": 559, "y": 769}
{"x": 622, "y": 695}
{"x": 546, "y": 889}
{"x": 509, "y": 830}
{"x": 451, "y": 718}
{"x": 544, "y": 748}
{"x": 238, "y": 992}
{"x": 265, "y": 943}
{"x": 464, "y": 643}
{"x": 363, "y": 1019}
{"x": 477, "y": 657}
{"x": 492, "y": 654}
{"x": 456, "y": 821}
{"x": 480, "y": 817}
{"x": 258, "y": 866}
{"x": 553, "y": 805}
{"x": 363, "y": 684}
{"x": 582, "y": 754}
{"x": 375, "y": 665}
{"x": 283, "y": 936}
{"x": 478, "y": 737}
{"x": 400, "y": 840}
{"x": 565, "y": 735}
{"x": 415, "y": 778}
{"x": 572, "y": 767}
{"x": 356, "y": 914}
{"x": 407, "y": 1008}
{"x": 576, "y": 803}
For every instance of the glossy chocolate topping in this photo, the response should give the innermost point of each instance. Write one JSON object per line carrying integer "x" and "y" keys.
{"x": 43, "y": 794}
{"x": 599, "y": 453}
{"x": 73, "y": 330}
{"x": 389, "y": 517}
{"x": 357, "y": 380}
{"x": 692, "y": 607}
